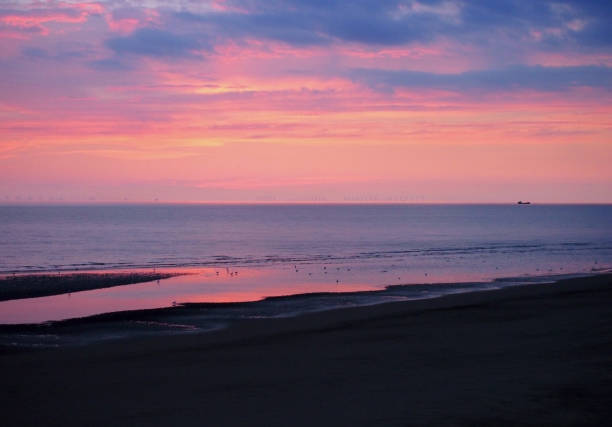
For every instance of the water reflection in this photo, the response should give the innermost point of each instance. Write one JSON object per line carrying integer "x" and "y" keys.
{"x": 241, "y": 284}
{"x": 236, "y": 284}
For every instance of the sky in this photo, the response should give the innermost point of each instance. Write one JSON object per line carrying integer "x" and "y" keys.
{"x": 305, "y": 101}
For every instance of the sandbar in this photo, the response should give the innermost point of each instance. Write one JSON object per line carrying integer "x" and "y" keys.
{"x": 38, "y": 285}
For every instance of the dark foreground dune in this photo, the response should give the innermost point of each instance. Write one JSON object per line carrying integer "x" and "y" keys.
{"x": 534, "y": 355}
{"x": 38, "y": 285}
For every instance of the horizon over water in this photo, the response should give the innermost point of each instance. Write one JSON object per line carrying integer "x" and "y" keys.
{"x": 283, "y": 249}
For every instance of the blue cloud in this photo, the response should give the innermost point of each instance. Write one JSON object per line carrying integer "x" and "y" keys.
{"x": 154, "y": 42}
{"x": 394, "y": 22}
{"x": 38, "y": 53}
{"x": 517, "y": 77}
{"x": 109, "y": 64}
{"x": 35, "y": 52}
{"x": 291, "y": 27}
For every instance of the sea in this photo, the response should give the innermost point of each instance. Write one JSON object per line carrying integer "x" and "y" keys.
{"x": 324, "y": 255}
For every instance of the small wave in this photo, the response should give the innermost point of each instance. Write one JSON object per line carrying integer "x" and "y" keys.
{"x": 561, "y": 248}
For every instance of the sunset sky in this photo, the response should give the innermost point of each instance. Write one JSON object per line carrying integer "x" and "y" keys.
{"x": 305, "y": 100}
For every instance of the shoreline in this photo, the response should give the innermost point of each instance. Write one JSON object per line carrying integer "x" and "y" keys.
{"x": 195, "y": 317}
{"x": 324, "y": 318}
{"x": 522, "y": 355}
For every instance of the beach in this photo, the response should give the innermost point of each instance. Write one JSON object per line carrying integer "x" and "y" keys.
{"x": 529, "y": 355}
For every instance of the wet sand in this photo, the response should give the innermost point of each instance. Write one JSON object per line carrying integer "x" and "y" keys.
{"x": 528, "y": 355}
{"x": 38, "y": 285}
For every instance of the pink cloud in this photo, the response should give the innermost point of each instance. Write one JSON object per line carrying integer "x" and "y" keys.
{"x": 25, "y": 22}
{"x": 253, "y": 115}
{"x": 125, "y": 21}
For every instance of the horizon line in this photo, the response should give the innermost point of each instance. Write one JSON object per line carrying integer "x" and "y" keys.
{"x": 286, "y": 202}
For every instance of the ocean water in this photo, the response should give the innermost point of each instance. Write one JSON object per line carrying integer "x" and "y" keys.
{"x": 249, "y": 252}
{"x": 51, "y": 238}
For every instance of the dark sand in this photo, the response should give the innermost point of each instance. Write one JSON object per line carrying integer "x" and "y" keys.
{"x": 529, "y": 355}
{"x": 39, "y": 285}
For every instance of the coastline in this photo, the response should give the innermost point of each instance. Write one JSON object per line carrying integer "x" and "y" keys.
{"x": 530, "y": 354}
{"x": 181, "y": 317}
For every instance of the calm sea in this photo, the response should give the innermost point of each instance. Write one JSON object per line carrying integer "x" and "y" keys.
{"x": 519, "y": 239}
{"x": 288, "y": 249}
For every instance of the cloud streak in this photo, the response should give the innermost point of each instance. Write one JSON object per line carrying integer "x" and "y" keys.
{"x": 394, "y": 91}
{"x": 391, "y": 23}
{"x": 512, "y": 78}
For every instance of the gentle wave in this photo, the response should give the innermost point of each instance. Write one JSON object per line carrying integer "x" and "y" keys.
{"x": 567, "y": 248}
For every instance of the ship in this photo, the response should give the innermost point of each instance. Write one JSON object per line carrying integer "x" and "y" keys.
{"x": 520, "y": 202}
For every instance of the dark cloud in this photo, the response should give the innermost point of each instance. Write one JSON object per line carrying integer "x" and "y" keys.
{"x": 517, "y": 77}
{"x": 154, "y": 42}
{"x": 314, "y": 23}
{"x": 35, "y": 52}
{"x": 291, "y": 27}
{"x": 393, "y": 22}
{"x": 38, "y": 53}
{"x": 109, "y": 64}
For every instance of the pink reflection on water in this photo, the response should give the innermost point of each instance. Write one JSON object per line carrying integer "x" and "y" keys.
{"x": 227, "y": 284}
{"x": 203, "y": 285}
